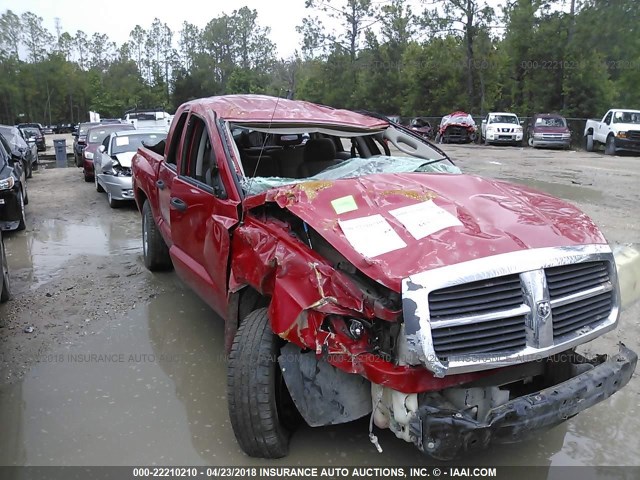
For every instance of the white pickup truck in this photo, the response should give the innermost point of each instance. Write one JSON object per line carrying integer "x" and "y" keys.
{"x": 618, "y": 130}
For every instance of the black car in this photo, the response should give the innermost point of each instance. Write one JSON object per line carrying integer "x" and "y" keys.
{"x": 20, "y": 147}
{"x": 33, "y": 133}
{"x": 13, "y": 189}
{"x": 5, "y": 285}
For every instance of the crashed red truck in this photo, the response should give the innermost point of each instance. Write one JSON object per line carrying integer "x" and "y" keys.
{"x": 358, "y": 281}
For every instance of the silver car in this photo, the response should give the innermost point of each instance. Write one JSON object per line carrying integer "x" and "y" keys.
{"x": 112, "y": 162}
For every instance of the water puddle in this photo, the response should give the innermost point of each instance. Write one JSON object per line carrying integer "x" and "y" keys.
{"x": 576, "y": 193}
{"x": 37, "y": 256}
{"x": 150, "y": 389}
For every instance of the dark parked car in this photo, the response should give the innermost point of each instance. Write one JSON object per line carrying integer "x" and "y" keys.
{"x": 549, "y": 130}
{"x": 32, "y": 133}
{"x": 95, "y": 136}
{"x": 20, "y": 147}
{"x": 13, "y": 189}
{"x": 5, "y": 285}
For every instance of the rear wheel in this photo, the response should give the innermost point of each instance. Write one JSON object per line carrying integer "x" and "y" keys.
{"x": 5, "y": 288}
{"x": 588, "y": 143}
{"x": 610, "y": 146}
{"x": 155, "y": 251}
{"x": 260, "y": 407}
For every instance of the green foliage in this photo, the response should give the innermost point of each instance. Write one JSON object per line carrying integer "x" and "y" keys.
{"x": 576, "y": 56}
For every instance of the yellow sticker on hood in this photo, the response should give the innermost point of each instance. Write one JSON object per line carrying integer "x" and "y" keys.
{"x": 344, "y": 204}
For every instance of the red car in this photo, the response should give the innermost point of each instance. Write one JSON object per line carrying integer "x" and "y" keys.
{"x": 457, "y": 127}
{"x": 357, "y": 283}
{"x": 96, "y": 135}
{"x": 549, "y": 130}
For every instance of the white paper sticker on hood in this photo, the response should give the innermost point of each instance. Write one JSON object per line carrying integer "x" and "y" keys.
{"x": 424, "y": 219}
{"x": 371, "y": 236}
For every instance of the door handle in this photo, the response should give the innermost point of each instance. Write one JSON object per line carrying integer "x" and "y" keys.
{"x": 160, "y": 184}
{"x": 178, "y": 204}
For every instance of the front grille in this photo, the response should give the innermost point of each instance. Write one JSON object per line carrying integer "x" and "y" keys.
{"x": 488, "y": 298}
{"x": 633, "y": 134}
{"x": 501, "y": 335}
{"x": 587, "y": 310}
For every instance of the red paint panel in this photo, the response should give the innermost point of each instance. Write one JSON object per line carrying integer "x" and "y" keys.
{"x": 497, "y": 218}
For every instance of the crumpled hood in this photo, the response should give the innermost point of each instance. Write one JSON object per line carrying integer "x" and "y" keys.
{"x": 125, "y": 158}
{"x": 493, "y": 217}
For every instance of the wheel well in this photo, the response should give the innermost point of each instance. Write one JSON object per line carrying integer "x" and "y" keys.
{"x": 590, "y": 131}
{"x": 141, "y": 198}
{"x": 241, "y": 304}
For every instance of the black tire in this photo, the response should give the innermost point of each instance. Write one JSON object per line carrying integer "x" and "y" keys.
{"x": 99, "y": 188}
{"x": 5, "y": 288}
{"x": 154, "y": 250}
{"x": 87, "y": 178}
{"x": 112, "y": 203}
{"x": 21, "y": 203}
{"x": 259, "y": 403}
{"x": 29, "y": 170}
{"x": 588, "y": 143}
{"x": 610, "y": 146}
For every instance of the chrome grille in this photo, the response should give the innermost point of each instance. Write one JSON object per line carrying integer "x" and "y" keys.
{"x": 478, "y": 317}
{"x": 508, "y": 308}
{"x": 487, "y": 337}
{"x": 581, "y": 295}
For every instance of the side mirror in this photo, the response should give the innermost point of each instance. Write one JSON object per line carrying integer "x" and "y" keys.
{"x": 101, "y": 149}
{"x": 484, "y": 120}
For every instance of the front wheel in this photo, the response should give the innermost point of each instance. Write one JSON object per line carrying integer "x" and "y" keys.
{"x": 113, "y": 203}
{"x": 5, "y": 288}
{"x": 99, "y": 188}
{"x": 22, "y": 223}
{"x": 610, "y": 146}
{"x": 257, "y": 395}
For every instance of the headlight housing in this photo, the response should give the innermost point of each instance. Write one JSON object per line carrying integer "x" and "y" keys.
{"x": 490, "y": 129}
{"x": 7, "y": 183}
{"x": 88, "y": 155}
{"x": 621, "y": 134}
{"x": 566, "y": 135}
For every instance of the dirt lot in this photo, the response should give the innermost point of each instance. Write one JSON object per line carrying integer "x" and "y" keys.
{"x": 125, "y": 367}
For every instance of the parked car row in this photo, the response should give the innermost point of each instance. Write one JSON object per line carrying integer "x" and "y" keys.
{"x": 548, "y": 130}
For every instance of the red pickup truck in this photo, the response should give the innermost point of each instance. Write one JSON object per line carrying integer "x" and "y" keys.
{"x": 359, "y": 272}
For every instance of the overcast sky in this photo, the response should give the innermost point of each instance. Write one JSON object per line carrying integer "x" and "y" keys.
{"x": 117, "y": 18}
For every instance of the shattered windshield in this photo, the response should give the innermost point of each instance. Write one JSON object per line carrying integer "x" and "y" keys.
{"x": 356, "y": 167}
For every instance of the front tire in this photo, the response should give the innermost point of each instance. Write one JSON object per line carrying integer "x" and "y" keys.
{"x": 5, "y": 291}
{"x": 112, "y": 202}
{"x": 610, "y": 146}
{"x": 21, "y": 203}
{"x": 155, "y": 251}
{"x": 255, "y": 389}
{"x": 99, "y": 188}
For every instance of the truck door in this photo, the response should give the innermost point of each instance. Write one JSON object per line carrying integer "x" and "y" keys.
{"x": 604, "y": 127}
{"x": 203, "y": 209}
{"x": 167, "y": 172}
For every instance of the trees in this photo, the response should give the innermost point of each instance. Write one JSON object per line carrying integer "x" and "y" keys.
{"x": 574, "y": 56}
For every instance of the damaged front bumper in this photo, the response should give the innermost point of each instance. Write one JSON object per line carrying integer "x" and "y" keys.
{"x": 445, "y": 432}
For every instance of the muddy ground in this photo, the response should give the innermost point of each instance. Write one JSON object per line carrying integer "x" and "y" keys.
{"x": 126, "y": 367}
